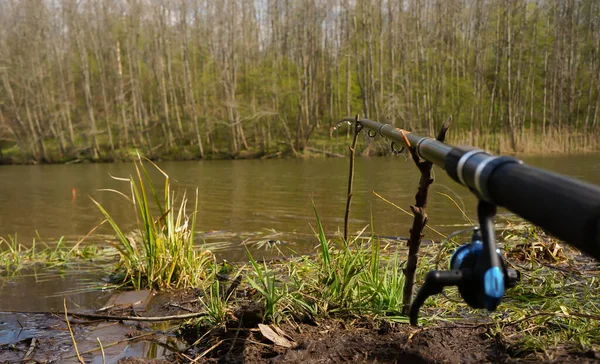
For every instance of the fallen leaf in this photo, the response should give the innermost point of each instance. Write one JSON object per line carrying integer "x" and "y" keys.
{"x": 282, "y": 333}
{"x": 277, "y": 339}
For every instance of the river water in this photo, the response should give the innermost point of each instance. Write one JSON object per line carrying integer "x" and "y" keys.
{"x": 239, "y": 200}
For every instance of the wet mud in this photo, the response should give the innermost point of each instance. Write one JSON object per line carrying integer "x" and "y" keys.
{"x": 45, "y": 337}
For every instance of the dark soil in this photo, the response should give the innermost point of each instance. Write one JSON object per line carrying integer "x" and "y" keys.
{"x": 360, "y": 339}
{"x": 335, "y": 341}
{"x": 352, "y": 339}
{"x": 363, "y": 340}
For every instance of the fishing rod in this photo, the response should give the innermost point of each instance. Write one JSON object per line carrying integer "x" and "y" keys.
{"x": 565, "y": 207}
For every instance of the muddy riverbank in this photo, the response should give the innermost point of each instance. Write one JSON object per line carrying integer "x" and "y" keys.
{"x": 41, "y": 338}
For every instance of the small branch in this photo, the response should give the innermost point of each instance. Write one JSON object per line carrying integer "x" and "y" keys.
{"x": 102, "y": 347}
{"x": 445, "y": 126}
{"x": 234, "y": 285}
{"x": 71, "y": 332}
{"x": 29, "y": 355}
{"x": 420, "y": 218}
{"x": 272, "y": 155}
{"x": 172, "y": 304}
{"x": 101, "y": 350}
{"x": 207, "y": 351}
{"x": 357, "y": 129}
{"x": 136, "y": 318}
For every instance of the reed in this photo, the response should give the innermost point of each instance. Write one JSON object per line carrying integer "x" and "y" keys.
{"x": 554, "y": 306}
{"x": 531, "y": 141}
{"x": 163, "y": 254}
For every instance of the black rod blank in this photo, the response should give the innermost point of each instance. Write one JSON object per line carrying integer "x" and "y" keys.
{"x": 566, "y": 207}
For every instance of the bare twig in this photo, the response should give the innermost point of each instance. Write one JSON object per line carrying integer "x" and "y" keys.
{"x": 207, "y": 351}
{"x": 135, "y": 318}
{"x": 199, "y": 339}
{"x": 328, "y": 154}
{"x": 444, "y": 129}
{"x": 101, "y": 350}
{"x": 173, "y": 304}
{"x": 234, "y": 285}
{"x": 29, "y": 355}
{"x": 420, "y": 218}
{"x": 406, "y": 212}
{"x": 235, "y": 337}
{"x": 71, "y": 332}
{"x": 357, "y": 129}
{"x": 113, "y": 344}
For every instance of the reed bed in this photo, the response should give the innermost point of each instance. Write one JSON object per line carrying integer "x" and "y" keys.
{"x": 531, "y": 141}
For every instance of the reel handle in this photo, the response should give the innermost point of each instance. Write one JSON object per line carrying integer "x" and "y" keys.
{"x": 477, "y": 269}
{"x": 435, "y": 281}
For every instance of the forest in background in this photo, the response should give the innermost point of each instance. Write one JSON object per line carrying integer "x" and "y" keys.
{"x": 203, "y": 78}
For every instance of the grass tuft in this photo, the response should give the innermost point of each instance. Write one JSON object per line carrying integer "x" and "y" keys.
{"x": 265, "y": 282}
{"x": 354, "y": 277}
{"x": 163, "y": 255}
{"x": 215, "y": 304}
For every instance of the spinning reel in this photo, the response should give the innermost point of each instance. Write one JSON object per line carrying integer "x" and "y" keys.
{"x": 477, "y": 268}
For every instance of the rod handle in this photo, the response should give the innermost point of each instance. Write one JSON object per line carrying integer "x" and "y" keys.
{"x": 567, "y": 208}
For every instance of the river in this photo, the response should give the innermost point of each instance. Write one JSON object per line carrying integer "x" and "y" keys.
{"x": 242, "y": 200}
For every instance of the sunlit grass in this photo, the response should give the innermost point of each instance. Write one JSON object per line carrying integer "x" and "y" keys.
{"x": 215, "y": 301}
{"x": 263, "y": 279}
{"x": 555, "y": 306}
{"x": 355, "y": 277}
{"x": 163, "y": 255}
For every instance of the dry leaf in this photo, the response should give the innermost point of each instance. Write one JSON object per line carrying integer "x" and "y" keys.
{"x": 282, "y": 333}
{"x": 277, "y": 339}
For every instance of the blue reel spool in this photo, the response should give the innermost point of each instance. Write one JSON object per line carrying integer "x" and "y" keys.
{"x": 479, "y": 292}
{"x": 473, "y": 248}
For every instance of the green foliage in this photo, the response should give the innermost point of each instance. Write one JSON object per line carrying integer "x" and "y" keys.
{"x": 214, "y": 305}
{"x": 413, "y": 68}
{"x": 265, "y": 282}
{"x": 547, "y": 310}
{"x": 346, "y": 278}
{"x": 15, "y": 257}
{"x": 385, "y": 285}
{"x": 163, "y": 255}
{"x": 214, "y": 302}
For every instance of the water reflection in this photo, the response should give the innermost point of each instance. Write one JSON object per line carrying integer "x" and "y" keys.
{"x": 42, "y": 290}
